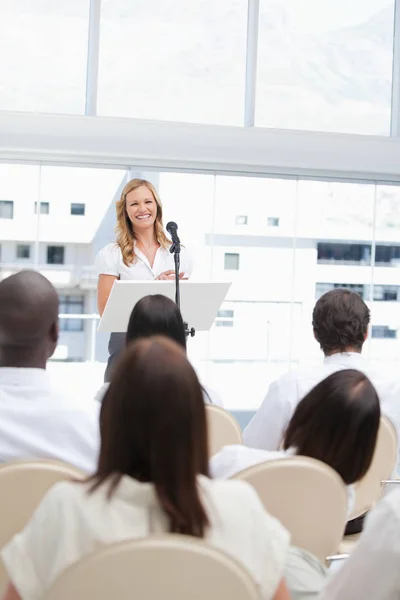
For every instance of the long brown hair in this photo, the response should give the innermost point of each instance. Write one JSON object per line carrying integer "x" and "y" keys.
{"x": 153, "y": 428}
{"x": 124, "y": 229}
{"x": 337, "y": 422}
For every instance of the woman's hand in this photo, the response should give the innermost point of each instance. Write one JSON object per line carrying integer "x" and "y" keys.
{"x": 170, "y": 276}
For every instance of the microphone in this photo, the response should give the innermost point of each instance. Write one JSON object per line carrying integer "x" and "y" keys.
{"x": 172, "y": 229}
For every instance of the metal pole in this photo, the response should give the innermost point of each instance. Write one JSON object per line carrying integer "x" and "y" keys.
{"x": 251, "y": 62}
{"x": 92, "y": 65}
{"x": 395, "y": 107}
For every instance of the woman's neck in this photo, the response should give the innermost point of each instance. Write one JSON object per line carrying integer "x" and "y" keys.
{"x": 146, "y": 238}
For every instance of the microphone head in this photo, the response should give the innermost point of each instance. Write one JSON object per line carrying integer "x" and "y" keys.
{"x": 171, "y": 227}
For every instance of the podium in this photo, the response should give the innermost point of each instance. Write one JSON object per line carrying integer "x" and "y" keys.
{"x": 200, "y": 302}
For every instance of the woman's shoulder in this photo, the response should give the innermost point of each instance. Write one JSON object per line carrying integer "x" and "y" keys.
{"x": 111, "y": 249}
{"x": 108, "y": 259}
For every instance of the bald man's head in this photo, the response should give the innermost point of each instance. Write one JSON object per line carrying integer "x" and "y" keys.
{"x": 28, "y": 319}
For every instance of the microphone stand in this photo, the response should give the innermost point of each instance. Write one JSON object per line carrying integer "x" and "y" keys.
{"x": 176, "y": 251}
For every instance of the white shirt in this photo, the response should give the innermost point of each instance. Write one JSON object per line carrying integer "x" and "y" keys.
{"x": 69, "y": 524}
{"x": 37, "y": 422}
{"x": 233, "y": 459}
{"x": 109, "y": 262}
{"x": 267, "y": 427}
{"x": 372, "y": 571}
{"x": 209, "y": 396}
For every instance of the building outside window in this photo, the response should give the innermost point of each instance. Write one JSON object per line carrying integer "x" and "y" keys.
{"x": 73, "y": 305}
{"x": 273, "y": 221}
{"x": 6, "y": 209}
{"x": 23, "y": 251}
{"x": 55, "y": 255}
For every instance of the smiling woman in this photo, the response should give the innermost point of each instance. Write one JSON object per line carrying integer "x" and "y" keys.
{"x": 141, "y": 251}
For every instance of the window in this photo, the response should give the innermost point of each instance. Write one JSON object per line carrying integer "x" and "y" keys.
{"x": 386, "y": 293}
{"x": 191, "y": 67}
{"x": 311, "y": 65}
{"x": 46, "y": 48}
{"x": 344, "y": 253}
{"x": 387, "y": 255}
{"x": 225, "y": 313}
{"x": 71, "y": 305}
{"x": 44, "y": 208}
{"x": 224, "y": 318}
{"x": 77, "y": 209}
{"x": 241, "y": 220}
{"x": 55, "y": 255}
{"x": 23, "y": 251}
{"x": 231, "y": 262}
{"x": 273, "y": 221}
{"x": 323, "y": 288}
{"x": 383, "y": 332}
{"x": 6, "y": 209}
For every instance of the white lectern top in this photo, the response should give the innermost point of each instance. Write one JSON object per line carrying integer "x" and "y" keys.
{"x": 200, "y": 301}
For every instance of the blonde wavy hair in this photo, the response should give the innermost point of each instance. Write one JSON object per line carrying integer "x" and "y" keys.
{"x": 125, "y": 231}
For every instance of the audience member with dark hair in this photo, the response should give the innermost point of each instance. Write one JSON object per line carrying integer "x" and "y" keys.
{"x": 36, "y": 421}
{"x": 158, "y": 315}
{"x": 152, "y": 476}
{"x": 337, "y": 423}
{"x": 340, "y": 323}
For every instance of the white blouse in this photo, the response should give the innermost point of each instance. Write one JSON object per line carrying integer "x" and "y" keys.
{"x": 109, "y": 262}
{"x": 372, "y": 570}
{"x": 70, "y": 523}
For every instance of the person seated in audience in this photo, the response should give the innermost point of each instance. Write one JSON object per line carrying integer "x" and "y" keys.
{"x": 337, "y": 422}
{"x": 340, "y": 322}
{"x": 152, "y": 476}
{"x": 35, "y": 420}
{"x": 158, "y": 315}
{"x": 372, "y": 570}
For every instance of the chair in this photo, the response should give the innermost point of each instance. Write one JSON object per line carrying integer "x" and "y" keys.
{"x": 369, "y": 489}
{"x": 22, "y": 486}
{"x": 223, "y": 429}
{"x": 170, "y": 566}
{"x": 307, "y": 496}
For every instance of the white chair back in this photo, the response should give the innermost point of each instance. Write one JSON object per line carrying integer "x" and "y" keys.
{"x": 223, "y": 429}
{"x": 369, "y": 489}
{"x": 307, "y": 496}
{"x": 22, "y": 486}
{"x": 172, "y": 566}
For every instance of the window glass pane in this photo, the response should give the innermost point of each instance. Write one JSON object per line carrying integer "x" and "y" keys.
{"x": 23, "y": 251}
{"x": 44, "y": 208}
{"x": 333, "y": 250}
{"x": 231, "y": 261}
{"x": 254, "y": 344}
{"x": 6, "y": 209}
{"x": 77, "y": 209}
{"x": 44, "y": 48}
{"x": 20, "y": 184}
{"x": 175, "y": 61}
{"x": 55, "y": 255}
{"x": 385, "y": 309}
{"x": 325, "y": 65}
